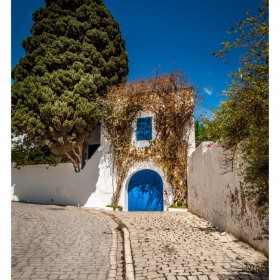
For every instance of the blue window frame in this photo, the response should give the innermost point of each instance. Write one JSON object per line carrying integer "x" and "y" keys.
{"x": 144, "y": 129}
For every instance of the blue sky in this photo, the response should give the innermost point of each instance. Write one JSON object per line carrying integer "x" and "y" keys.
{"x": 159, "y": 33}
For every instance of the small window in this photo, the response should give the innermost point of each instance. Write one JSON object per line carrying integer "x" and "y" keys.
{"x": 144, "y": 129}
{"x": 92, "y": 149}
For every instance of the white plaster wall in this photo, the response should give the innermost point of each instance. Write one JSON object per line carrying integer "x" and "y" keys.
{"x": 216, "y": 196}
{"x": 92, "y": 187}
{"x": 190, "y": 133}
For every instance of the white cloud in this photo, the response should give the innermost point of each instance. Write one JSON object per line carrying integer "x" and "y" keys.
{"x": 208, "y": 90}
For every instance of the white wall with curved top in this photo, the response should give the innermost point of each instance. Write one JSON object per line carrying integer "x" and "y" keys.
{"x": 91, "y": 187}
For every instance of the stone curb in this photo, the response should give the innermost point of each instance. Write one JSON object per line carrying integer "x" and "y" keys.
{"x": 128, "y": 256}
{"x": 177, "y": 209}
{"x": 129, "y": 269}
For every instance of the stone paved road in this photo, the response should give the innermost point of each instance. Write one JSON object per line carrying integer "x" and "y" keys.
{"x": 180, "y": 246}
{"x": 54, "y": 242}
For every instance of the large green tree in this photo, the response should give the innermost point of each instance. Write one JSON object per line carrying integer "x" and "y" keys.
{"x": 241, "y": 121}
{"x": 75, "y": 53}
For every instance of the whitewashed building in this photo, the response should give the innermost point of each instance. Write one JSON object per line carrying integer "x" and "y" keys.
{"x": 144, "y": 188}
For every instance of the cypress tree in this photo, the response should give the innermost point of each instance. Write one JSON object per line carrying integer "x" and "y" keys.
{"x": 75, "y": 53}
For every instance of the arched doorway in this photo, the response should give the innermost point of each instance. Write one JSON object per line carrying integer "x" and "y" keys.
{"x": 145, "y": 191}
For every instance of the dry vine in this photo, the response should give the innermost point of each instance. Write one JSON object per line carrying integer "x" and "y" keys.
{"x": 171, "y": 100}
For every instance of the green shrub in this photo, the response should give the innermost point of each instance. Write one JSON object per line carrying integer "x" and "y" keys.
{"x": 115, "y": 207}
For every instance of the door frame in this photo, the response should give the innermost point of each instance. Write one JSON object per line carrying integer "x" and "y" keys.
{"x": 138, "y": 166}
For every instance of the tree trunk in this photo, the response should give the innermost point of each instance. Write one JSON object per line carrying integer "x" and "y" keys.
{"x": 117, "y": 193}
{"x": 77, "y": 156}
{"x": 116, "y": 196}
{"x": 180, "y": 196}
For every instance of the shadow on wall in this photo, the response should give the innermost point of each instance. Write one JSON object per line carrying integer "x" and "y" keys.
{"x": 58, "y": 185}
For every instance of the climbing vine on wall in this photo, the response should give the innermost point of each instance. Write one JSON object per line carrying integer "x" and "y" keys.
{"x": 170, "y": 99}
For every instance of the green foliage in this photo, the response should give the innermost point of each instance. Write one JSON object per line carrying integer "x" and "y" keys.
{"x": 74, "y": 54}
{"x": 115, "y": 207}
{"x": 177, "y": 206}
{"x": 241, "y": 121}
{"x": 180, "y": 203}
{"x": 23, "y": 155}
{"x": 200, "y": 132}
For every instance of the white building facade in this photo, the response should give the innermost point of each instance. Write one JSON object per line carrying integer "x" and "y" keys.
{"x": 144, "y": 189}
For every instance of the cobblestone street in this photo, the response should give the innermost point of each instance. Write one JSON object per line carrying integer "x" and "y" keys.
{"x": 55, "y": 242}
{"x": 170, "y": 245}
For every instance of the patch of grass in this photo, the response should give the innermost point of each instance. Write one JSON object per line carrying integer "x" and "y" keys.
{"x": 115, "y": 207}
{"x": 179, "y": 206}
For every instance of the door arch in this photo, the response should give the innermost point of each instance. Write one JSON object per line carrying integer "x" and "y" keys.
{"x": 145, "y": 191}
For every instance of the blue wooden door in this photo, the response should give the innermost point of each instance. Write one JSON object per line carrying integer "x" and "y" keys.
{"x": 145, "y": 191}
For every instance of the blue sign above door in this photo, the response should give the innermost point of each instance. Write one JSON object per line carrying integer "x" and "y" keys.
{"x": 145, "y": 191}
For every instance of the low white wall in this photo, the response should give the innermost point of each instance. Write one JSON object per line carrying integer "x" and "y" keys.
{"x": 91, "y": 187}
{"x": 217, "y": 197}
